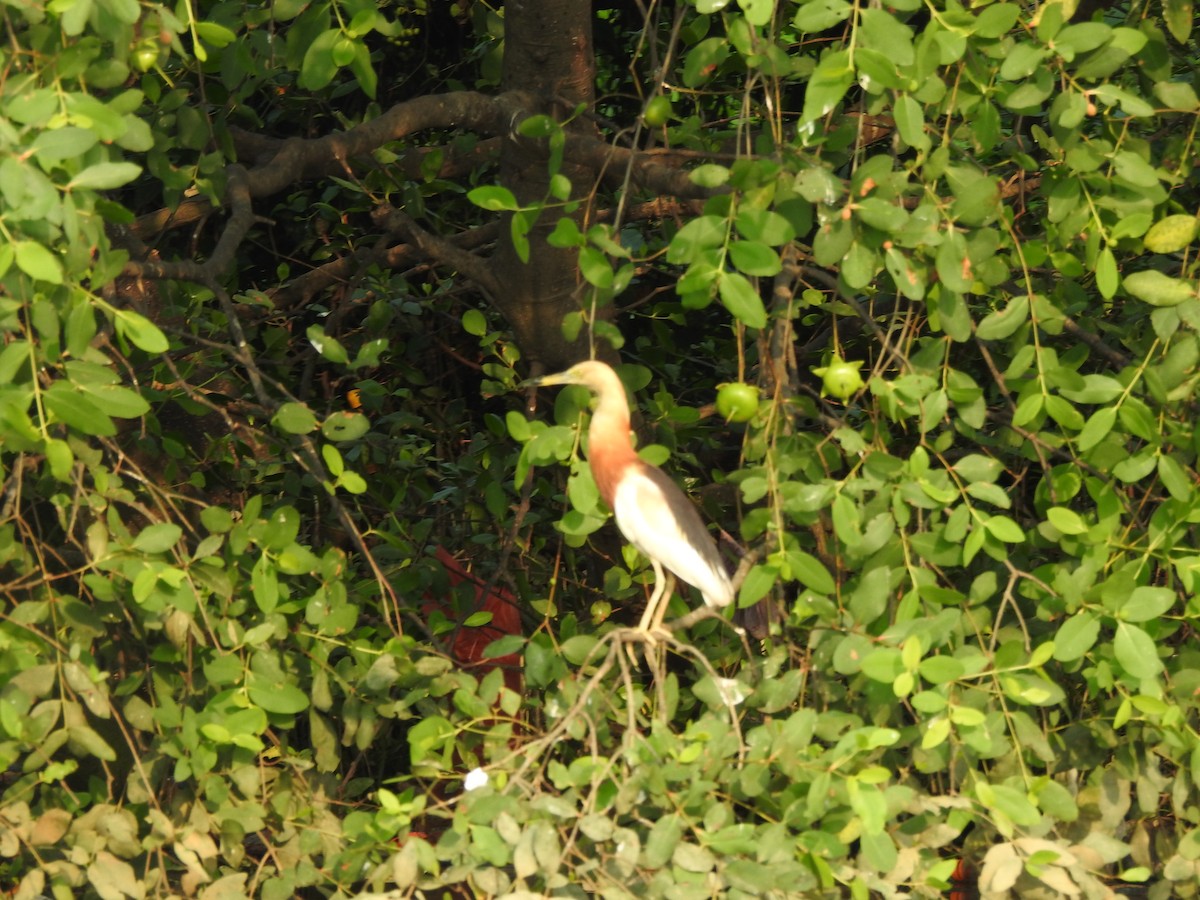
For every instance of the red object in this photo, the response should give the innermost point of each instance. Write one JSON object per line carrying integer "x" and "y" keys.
{"x": 470, "y": 642}
{"x": 962, "y": 881}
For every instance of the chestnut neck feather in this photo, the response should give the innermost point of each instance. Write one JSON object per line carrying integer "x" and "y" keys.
{"x": 610, "y": 452}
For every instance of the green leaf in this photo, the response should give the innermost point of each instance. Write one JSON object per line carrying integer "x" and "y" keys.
{"x": 1180, "y": 18}
{"x": 428, "y": 737}
{"x": 343, "y": 50}
{"x": 344, "y": 425}
{"x": 910, "y": 121}
{"x": 113, "y": 878}
{"x": 1082, "y": 37}
{"x": 140, "y": 331}
{"x": 826, "y": 86}
{"x": 60, "y": 458}
{"x": 1146, "y": 603}
{"x": 1066, "y": 520}
{"x": 1176, "y": 95}
{"x": 77, "y": 410}
{"x": 1107, "y": 278}
{"x": 1076, "y": 636}
{"x": 264, "y": 585}
{"x": 493, "y": 197}
{"x": 703, "y": 60}
{"x": 1158, "y": 289}
{"x": 1028, "y": 409}
{"x": 519, "y": 225}
{"x": 819, "y": 15}
{"x": 328, "y": 347}
{"x": 364, "y": 71}
{"x": 1178, "y": 483}
{"x": 1136, "y": 652}
{"x": 758, "y": 12}
{"x": 1171, "y": 234}
{"x": 318, "y": 67}
{"x": 941, "y": 669}
{"x": 882, "y": 664}
{"x": 1002, "y": 323}
{"x": 976, "y": 195}
{"x": 352, "y": 482}
{"x": 1061, "y": 410}
{"x": 542, "y": 662}
{"x": 158, "y": 538}
{"x": 474, "y": 322}
{"x": 754, "y": 258}
{"x": 1004, "y": 529}
{"x": 1023, "y": 60}
{"x": 663, "y": 837}
{"x": 578, "y": 649}
{"x": 105, "y": 176}
{"x": 1097, "y": 427}
{"x": 595, "y": 268}
{"x": 700, "y": 234}
{"x": 977, "y": 467}
{"x": 68, "y": 142}
{"x": 216, "y": 35}
{"x": 294, "y": 418}
{"x": 1134, "y": 468}
{"x": 117, "y": 400}
{"x": 758, "y": 582}
{"x": 742, "y": 300}
{"x": 709, "y": 175}
{"x": 997, "y": 20}
{"x": 81, "y": 328}
{"x": 566, "y": 234}
{"x": 279, "y": 697}
{"x": 763, "y": 225}
{"x": 908, "y": 278}
{"x": 37, "y": 262}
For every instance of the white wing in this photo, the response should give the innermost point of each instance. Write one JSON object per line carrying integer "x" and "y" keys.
{"x": 662, "y": 522}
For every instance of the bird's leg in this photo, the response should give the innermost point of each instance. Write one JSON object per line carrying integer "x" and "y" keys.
{"x": 657, "y": 607}
{"x": 664, "y": 602}
{"x": 651, "y": 624}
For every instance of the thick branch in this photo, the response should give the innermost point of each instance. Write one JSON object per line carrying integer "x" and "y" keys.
{"x": 305, "y": 287}
{"x": 439, "y": 249}
{"x": 646, "y": 172}
{"x": 299, "y": 159}
{"x": 241, "y": 217}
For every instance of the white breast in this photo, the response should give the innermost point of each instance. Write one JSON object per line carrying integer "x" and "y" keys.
{"x": 662, "y": 522}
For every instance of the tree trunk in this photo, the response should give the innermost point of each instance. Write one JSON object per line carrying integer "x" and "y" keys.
{"x": 548, "y": 55}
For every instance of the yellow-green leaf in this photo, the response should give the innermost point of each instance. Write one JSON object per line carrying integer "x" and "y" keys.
{"x": 1171, "y": 234}
{"x": 1158, "y": 289}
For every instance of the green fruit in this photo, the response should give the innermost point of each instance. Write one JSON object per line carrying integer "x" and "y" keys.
{"x": 658, "y": 110}
{"x": 840, "y": 379}
{"x": 145, "y": 55}
{"x": 737, "y": 402}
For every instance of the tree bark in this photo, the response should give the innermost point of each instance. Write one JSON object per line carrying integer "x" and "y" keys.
{"x": 548, "y": 54}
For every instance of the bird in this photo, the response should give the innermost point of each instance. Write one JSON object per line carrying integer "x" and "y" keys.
{"x": 651, "y": 511}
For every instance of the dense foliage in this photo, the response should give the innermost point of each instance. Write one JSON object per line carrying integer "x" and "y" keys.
{"x": 270, "y": 275}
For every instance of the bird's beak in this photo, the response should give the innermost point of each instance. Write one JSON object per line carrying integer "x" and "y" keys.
{"x": 544, "y": 381}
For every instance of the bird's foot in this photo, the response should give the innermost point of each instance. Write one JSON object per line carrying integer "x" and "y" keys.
{"x": 649, "y": 638}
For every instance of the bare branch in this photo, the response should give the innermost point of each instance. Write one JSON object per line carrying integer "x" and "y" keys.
{"x": 438, "y": 248}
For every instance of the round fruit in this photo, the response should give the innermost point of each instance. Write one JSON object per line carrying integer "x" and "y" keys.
{"x": 145, "y": 56}
{"x": 737, "y": 401}
{"x": 658, "y": 110}
{"x": 840, "y": 379}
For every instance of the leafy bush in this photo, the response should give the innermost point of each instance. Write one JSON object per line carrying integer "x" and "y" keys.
{"x": 274, "y": 527}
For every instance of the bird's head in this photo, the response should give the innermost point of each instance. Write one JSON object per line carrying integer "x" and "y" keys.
{"x": 611, "y": 407}
{"x": 592, "y": 374}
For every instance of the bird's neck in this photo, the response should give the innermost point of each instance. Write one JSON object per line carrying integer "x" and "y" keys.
{"x": 610, "y": 451}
